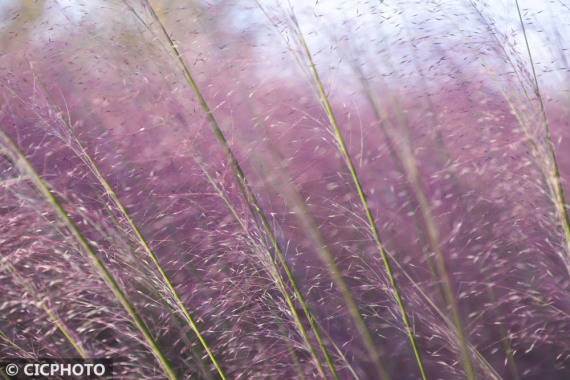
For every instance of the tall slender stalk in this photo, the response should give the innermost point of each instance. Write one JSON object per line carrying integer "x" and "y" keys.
{"x": 535, "y": 151}
{"x": 9, "y": 341}
{"x": 302, "y": 213}
{"x": 404, "y": 165}
{"x": 307, "y": 221}
{"x": 86, "y": 158}
{"x": 412, "y": 173}
{"x": 483, "y": 362}
{"x": 253, "y": 204}
{"x": 551, "y": 176}
{"x": 274, "y": 273}
{"x": 26, "y": 167}
{"x": 372, "y": 225}
{"x": 507, "y": 345}
{"x": 559, "y": 200}
{"x": 444, "y": 152}
{"x": 492, "y": 373}
{"x": 58, "y": 323}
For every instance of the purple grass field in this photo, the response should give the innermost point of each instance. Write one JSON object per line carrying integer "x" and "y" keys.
{"x": 333, "y": 189}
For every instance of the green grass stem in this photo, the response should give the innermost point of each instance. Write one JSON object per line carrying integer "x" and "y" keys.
{"x": 342, "y": 145}
{"x": 58, "y": 323}
{"x": 250, "y": 199}
{"x": 86, "y": 158}
{"x": 26, "y": 167}
{"x": 559, "y": 199}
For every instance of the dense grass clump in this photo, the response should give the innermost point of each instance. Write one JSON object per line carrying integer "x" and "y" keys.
{"x": 266, "y": 189}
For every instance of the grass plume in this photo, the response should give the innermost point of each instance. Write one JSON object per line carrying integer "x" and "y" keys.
{"x": 306, "y": 190}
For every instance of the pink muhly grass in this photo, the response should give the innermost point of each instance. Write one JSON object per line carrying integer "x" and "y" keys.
{"x": 199, "y": 190}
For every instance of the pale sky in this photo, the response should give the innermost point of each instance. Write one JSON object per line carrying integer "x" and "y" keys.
{"x": 358, "y": 17}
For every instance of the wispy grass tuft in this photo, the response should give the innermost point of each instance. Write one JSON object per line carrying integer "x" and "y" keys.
{"x": 298, "y": 190}
{"x": 370, "y": 346}
{"x": 90, "y": 163}
{"x": 255, "y": 209}
{"x": 28, "y": 170}
{"x": 559, "y": 199}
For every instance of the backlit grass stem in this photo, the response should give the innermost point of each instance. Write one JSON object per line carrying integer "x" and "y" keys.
{"x": 559, "y": 200}
{"x": 411, "y": 170}
{"x": 86, "y": 158}
{"x": 251, "y": 199}
{"x": 57, "y": 321}
{"x": 342, "y": 145}
{"x": 26, "y": 168}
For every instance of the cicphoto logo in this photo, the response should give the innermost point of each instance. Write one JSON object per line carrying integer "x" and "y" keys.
{"x": 51, "y": 368}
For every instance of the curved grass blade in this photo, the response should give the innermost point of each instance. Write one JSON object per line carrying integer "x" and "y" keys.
{"x": 86, "y": 158}
{"x": 444, "y": 152}
{"x": 344, "y": 151}
{"x": 26, "y": 167}
{"x": 411, "y": 170}
{"x": 12, "y": 343}
{"x": 58, "y": 323}
{"x": 251, "y": 199}
{"x": 551, "y": 176}
{"x": 276, "y": 275}
{"x": 560, "y": 200}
